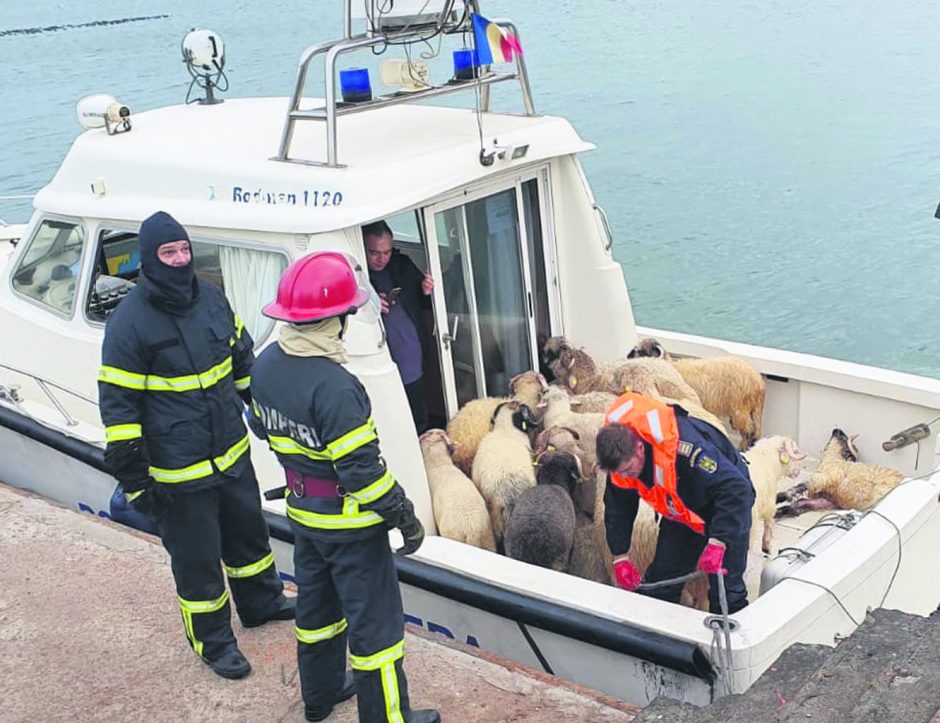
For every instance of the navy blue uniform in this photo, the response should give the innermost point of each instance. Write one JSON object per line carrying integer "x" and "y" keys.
{"x": 318, "y": 420}
{"x": 175, "y": 361}
{"x": 712, "y": 481}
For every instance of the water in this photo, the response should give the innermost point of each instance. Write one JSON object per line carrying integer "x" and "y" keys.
{"x": 770, "y": 169}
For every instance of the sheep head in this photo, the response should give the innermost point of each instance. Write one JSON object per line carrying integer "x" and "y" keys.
{"x": 649, "y": 348}
{"x": 840, "y": 446}
{"x": 553, "y": 348}
{"x": 559, "y": 468}
{"x": 516, "y": 413}
{"x": 573, "y": 365}
{"x": 528, "y": 387}
{"x": 791, "y": 457}
{"x": 557, "y": 438}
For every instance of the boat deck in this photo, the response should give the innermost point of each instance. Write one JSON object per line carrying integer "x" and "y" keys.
{"x": 90, "y": 630}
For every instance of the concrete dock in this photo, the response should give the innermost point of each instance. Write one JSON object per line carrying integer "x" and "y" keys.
{"x": 90, "y": 631}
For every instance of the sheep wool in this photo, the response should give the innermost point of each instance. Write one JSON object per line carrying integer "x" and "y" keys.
{"x": 770, "y": 459}
{"x": 459, "y": 510}
{"x": 502, "y": 468}
{"x": 472, "y": 421}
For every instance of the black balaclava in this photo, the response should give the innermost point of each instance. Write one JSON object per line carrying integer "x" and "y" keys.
{"x": 173, "y": 288}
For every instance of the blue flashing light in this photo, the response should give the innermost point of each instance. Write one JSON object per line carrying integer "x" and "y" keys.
{"x": 466, "y": 64}
{"x": 354, "y": 85}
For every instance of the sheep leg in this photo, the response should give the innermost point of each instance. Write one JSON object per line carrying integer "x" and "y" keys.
{"x": 805, "y": 505}
{"x": 768, "y": 535}
{"x": 794, "y": 493}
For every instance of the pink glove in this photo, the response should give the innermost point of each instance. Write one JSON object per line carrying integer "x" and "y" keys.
{"x": 712, "y": 557}
{"x": 628, "y": 577}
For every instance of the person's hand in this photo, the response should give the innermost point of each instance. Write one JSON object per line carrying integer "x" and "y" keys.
{"x": 383, "y": 300}
{"x": 712, "y": 557}
{"x": 626, "y": 574}
{"x": 427, "y": 284}
{"x": 412, "y": 531}
{"x": 148, "y": 497}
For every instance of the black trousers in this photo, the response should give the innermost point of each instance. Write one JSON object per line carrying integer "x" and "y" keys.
{"x": 203, "y": 529}
{"x": 677, "y": 552}
{"x": 418, "y": 404}
{"x": 349, "y": 591}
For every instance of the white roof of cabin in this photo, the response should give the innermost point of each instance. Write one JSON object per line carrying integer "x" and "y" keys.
{"x": 191, "y": 161}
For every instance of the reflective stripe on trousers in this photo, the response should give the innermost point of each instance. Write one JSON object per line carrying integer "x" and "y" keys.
{"x": 384, "y": 662}
{"x": 195, "y": 607}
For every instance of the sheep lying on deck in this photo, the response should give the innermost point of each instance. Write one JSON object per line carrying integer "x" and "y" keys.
{"x": 841, "y": 481}
{"x": 768, "y": 460}
{"x": 472, "y": 421}
{"x": 541, "y": 525}
{"x": 459, "y": 510}
{"x": 502, "y": 468}
{"x": 726, "y": 385}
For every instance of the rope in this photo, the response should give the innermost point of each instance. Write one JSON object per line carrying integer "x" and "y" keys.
{"x": 646, "y": 586}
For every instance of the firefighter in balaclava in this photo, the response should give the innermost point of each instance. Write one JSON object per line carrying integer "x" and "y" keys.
{"x": 688, "y": 472}
{"x": 341, "y": 498}
{"x": 176, "y": 370}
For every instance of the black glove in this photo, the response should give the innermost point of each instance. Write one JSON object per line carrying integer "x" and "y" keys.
{"x": 148, "y": 497}
{"x": 129, "y": 462}
{"x": 245, "y": 394}
{"x": 412, "y": 531}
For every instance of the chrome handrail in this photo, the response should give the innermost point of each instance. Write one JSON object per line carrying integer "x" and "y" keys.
{"x": 44, "y": 384}
{"x": 329, "y": 112}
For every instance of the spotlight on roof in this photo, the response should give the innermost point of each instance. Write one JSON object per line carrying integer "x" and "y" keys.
{"x": 204, "y": 55}
{"x": 101, "y": 110}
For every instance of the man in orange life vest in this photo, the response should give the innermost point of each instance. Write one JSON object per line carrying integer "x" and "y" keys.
{"x": 691, "y": 474}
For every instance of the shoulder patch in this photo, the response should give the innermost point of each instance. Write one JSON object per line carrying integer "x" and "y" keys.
{"x": 685, "y": 448}
{"x": 707, "y": 464}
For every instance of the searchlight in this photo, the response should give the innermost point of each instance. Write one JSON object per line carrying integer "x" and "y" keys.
{"x": 204, "y": 55}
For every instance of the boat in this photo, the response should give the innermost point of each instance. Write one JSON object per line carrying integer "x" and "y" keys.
{"x": 496, "y": 206}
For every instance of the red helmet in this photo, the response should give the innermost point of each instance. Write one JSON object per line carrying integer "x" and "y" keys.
{"x": 317, "y": 287}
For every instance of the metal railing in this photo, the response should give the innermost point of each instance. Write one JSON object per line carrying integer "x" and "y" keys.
{"x": 46, "y": 385}
{"x": 331, "y": 110}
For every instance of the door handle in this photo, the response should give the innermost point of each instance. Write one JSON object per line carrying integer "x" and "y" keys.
{"x": 449, "y": 337}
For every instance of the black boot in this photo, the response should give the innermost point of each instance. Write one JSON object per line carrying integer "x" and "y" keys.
{"x": 231, "y": 665}
{"x": 346, "y": 692}
{"x": 284, "y": 608}
{"x": 428, "y": 715}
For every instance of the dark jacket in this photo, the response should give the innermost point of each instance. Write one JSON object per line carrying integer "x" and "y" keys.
{"x": 712, "y": 480}
{"x": 173, "y": 362}
{"x": 409, "y": 277}
{"x": 317, "y": 419}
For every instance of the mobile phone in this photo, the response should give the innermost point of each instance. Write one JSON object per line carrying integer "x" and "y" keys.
{"x": 392, "y": 295}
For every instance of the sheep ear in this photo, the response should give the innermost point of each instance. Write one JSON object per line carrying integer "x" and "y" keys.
{"x": 574, "y": 433}
{"x": 571, "y": 361}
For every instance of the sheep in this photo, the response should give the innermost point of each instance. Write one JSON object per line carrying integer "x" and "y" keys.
{"x": 586, "y": 561}
{"x": 459, "y": 510}
{"x": 502, "y": 467}
{"x": 566, "y": 439}
{"x": 598, "y": 402}
{"x": 577, "y": 372}
{"x": 541, "y": 524}
{"x": 841, "y": 481}
{"x": 472, "y": 422}
{"x": 556, "y": 405}
{"x": 726, "y": 385}
{"x": 768, "y": 460}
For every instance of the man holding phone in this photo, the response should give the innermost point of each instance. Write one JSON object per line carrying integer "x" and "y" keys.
{"x": 404, "y": 290}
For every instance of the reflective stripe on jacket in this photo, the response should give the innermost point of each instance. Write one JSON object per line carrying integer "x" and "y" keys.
{"x": 317, "y": 419}
{"x": 173, "y": 379}
{"x": 655, "y": 423}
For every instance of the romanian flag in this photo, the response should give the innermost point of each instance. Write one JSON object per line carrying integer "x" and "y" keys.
{"x": 493, "y": 44}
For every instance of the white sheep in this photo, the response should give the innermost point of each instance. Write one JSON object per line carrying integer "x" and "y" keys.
{"x": 459, "y": 510}
{"x": 768, "y": 460}
{"x": 556, "y": 412}
{"x": 472, "y": 421}
{"x": 502, "y": 468}
{"x": 726, "y": 385}
{"x": 541, "y": 525}
{"x": 598, "y": 402}
{"x": 841, "y": 481}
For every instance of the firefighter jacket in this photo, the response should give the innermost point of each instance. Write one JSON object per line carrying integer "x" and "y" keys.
{"x": 171, "y": 373}
{"x": 317, "y": 419}
{"x": 703, "y": 483}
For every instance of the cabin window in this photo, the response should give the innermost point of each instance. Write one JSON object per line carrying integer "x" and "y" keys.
{"x": 247, "y": 276}
{"x": 49, "y": 267}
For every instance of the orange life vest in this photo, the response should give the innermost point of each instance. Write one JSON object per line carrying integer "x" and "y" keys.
{"x": 655, "y": 423}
